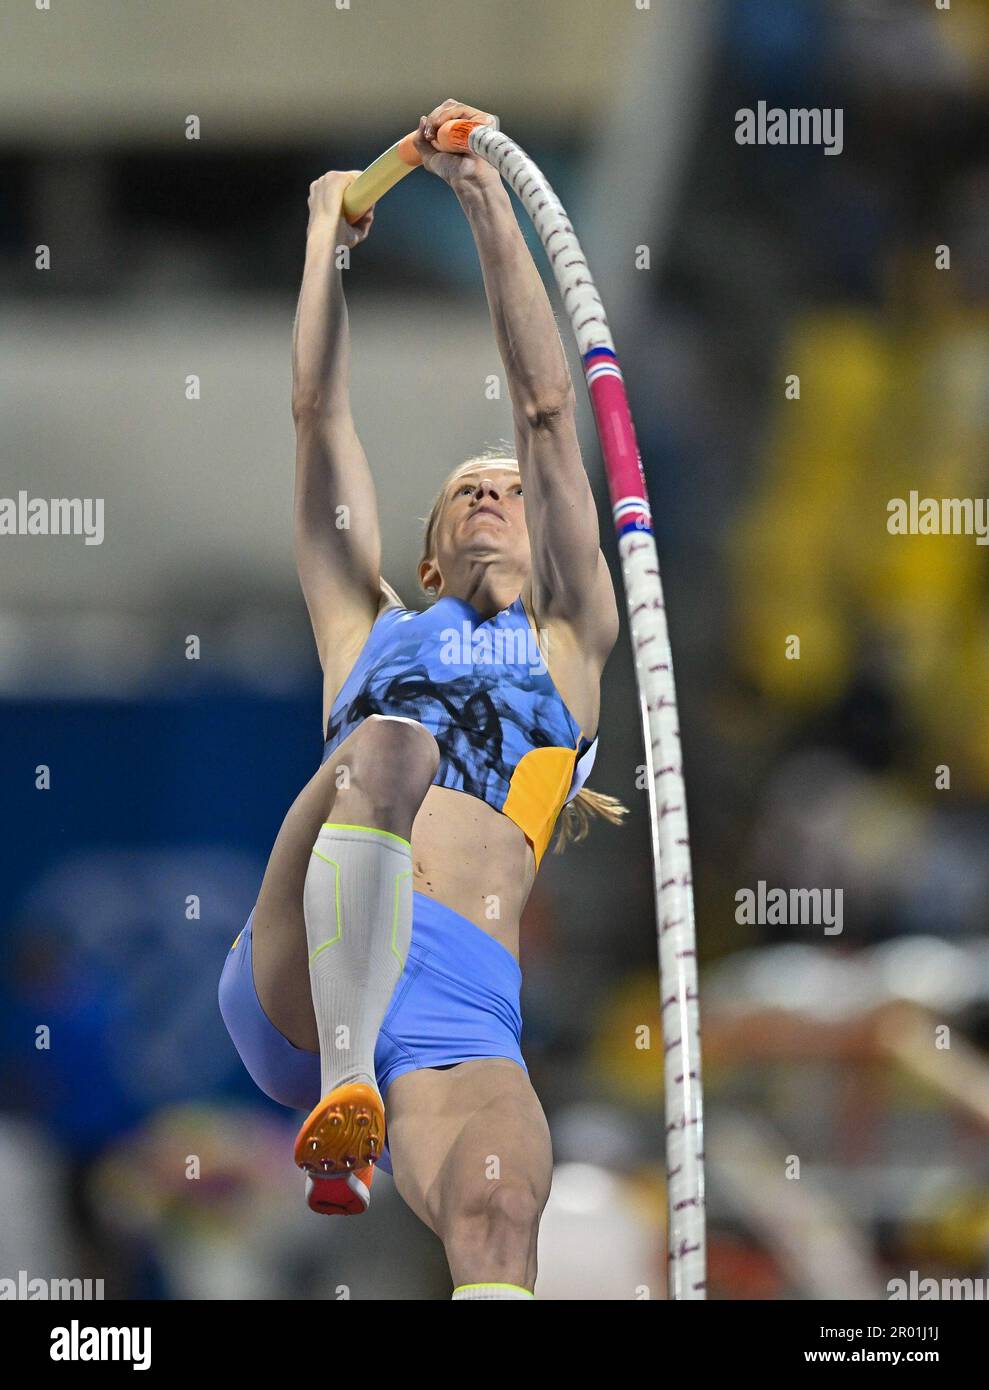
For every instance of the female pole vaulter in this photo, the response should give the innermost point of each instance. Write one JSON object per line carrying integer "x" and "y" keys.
{"x": 380, "y": 963}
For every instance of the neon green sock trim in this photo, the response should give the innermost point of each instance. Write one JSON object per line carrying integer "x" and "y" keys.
{"x": 517, "y": 1287}
{"x": 371, "y": 830}
{"x": 394, "y": 921}
{"x": 339, "y": 936}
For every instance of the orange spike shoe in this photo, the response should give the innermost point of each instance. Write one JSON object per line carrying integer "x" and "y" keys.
{"x": 340, "y": 1194}
{"x": 345, "y": 1132}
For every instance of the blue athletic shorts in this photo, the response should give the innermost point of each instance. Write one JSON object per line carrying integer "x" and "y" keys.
{"x": 457, "y": 1000}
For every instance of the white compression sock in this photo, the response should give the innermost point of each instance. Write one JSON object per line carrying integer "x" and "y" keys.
{"x": 490, "y": 1291}
{"x": 358, "y": 910}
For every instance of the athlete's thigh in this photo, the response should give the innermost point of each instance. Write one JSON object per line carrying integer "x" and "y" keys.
{"x": 280, "y": 950}
{"x": 450, "y": 1132}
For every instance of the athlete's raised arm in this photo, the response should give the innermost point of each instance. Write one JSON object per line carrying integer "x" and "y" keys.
{"x": 337, "y": 537}
{"x": 570, "y": 577}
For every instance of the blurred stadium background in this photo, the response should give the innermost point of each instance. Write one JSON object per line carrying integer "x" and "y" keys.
{"x": 169, "y": 776}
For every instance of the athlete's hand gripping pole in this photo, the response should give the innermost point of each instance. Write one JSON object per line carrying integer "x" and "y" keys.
{"x": 400, "y": 160}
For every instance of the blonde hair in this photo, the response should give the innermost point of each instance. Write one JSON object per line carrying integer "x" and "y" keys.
{"x": 587, "y": 805}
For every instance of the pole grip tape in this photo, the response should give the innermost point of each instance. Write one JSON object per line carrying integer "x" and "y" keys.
{"x": 400, "y": 160}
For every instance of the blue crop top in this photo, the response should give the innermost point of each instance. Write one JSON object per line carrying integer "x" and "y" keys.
{"x": 483, "y": 691}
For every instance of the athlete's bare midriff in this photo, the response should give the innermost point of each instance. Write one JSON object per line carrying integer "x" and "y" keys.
{"x": 473, "y": 859}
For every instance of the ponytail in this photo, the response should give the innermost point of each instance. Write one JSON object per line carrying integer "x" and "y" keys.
{"x": 575, "y": 818}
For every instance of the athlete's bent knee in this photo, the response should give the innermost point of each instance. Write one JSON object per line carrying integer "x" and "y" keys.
{"x": 493, "y": 1233}
{"x": 513, "y": 1207}
{"x": 391, "y": 763}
